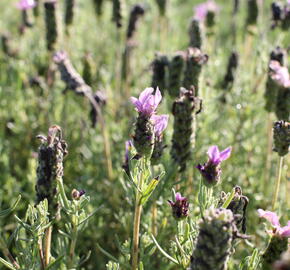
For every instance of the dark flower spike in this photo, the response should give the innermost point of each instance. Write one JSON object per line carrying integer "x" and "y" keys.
{"x": 180, "y": 207}
{"x": 211, "y": 170}
{"x": 214, "y": 241}
{"x": 281, "y": 134}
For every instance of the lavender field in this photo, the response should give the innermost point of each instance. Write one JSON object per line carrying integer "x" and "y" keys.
{"x": 144, "y": 135}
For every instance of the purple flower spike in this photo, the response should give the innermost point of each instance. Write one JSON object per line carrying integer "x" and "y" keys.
{"x": 179, "y": 207}
{"x": 211, "y": 170}
{"x": 26, "y": 4}
{"x": 274, "y": 220}
{"x": 160, "y": 123}
{"x": 147, "y": 102}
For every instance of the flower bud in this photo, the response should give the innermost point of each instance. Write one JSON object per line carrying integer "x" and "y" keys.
{"x": 179, "y": 207}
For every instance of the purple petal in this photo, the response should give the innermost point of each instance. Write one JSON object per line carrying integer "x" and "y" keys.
{"x": 285, "y": 231}
{"x": 157, "y": 97}
{"x": 214, "y": 154}
{"x": 270, "y": 216}
{"x": 145, "y": 94}
{"x": 178, "y": 197}
{"x": 160, "y": 123}
{"x": 136, "y": 103}
{"x": 225, "y": 154}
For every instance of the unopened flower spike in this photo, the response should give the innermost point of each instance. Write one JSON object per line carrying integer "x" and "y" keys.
{"x": 211, "y": 170}
{"x": 279, "y": 238}
{"x": 214, "y": 241}
{"x": 180, "y": 207}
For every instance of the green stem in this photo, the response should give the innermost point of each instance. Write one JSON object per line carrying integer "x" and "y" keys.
{"x": 7, "y": 254}
{"x": 277, "y": 184}
{"x": 47, "y": 245}
{"x": 137, "y": 217}
{"x": 72, "y": 247}
{"x": 62, "y": 193}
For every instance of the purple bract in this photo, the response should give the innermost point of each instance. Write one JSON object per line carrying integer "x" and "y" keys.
{"x": 274, "y": 220}
{"x": 147, "y": 102}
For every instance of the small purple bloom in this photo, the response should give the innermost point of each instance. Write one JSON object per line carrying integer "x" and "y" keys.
{"x": 26, "y": 4}
{"x": 279, "y": 73}
{"x": 147, "y": 103}
{"x": 211, "y": 170}
{"x": 160, "y": 123}
{"x": 201, "y": 10}
{"x": 274, "y": 220}
{"x": 179, "y": 207}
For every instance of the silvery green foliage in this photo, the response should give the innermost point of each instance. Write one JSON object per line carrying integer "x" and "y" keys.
{"x": 251, "y": 262}
{"x": 214, "y": 241}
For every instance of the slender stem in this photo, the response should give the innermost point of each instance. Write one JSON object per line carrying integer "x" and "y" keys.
{"x": 277, "y": 184}
{"x": 72, "y": 247}
{"x": 137, "y": 218}
{"x": 47, "y": 245}
{"x": 154, "y": 219}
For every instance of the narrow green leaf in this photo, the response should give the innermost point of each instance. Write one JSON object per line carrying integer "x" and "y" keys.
{"x": 9, "y": 210}
{"x": 229, "y": 199}
{"x": 163, "y": 251}
{"x": 148, "y": 191}
{"x": 7, "y": 264}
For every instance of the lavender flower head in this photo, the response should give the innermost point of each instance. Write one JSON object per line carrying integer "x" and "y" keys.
{"x": 147, "y": 102}
{"x": 201, "y": 11}
{"x": 26, "y": 4}
{"x": 279, "y": 73}
{"x": 160, "y": 123}
{"x": 272, "y": 217}
{"x": 211, "y": 170}
{"x": 179, "y": 207}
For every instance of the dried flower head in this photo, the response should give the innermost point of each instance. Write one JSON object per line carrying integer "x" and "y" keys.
{"x": 179, "y": 207}
{"x": 211, "y": 170}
